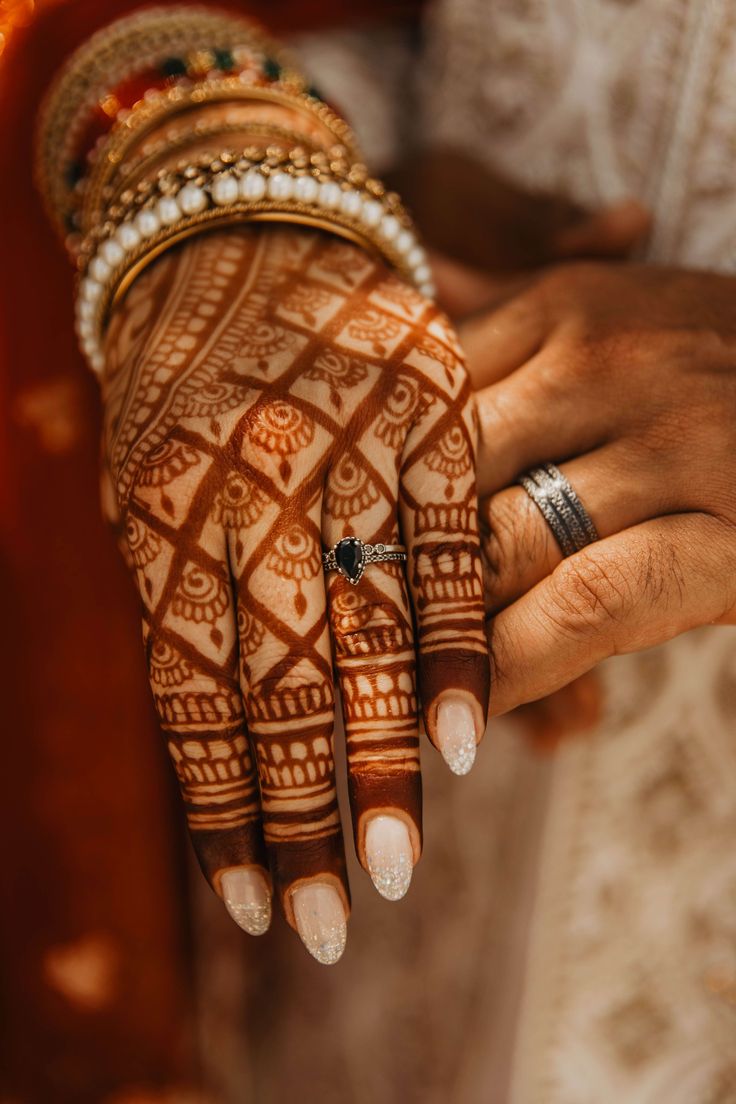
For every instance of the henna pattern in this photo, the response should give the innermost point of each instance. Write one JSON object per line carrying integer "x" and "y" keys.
{"x": 399, "y": 412}
{"x": 239, "y": 503}
{"x": 267, "y": 393}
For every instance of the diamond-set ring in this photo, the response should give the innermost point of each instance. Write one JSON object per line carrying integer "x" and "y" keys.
{"x": 350, "y": 556}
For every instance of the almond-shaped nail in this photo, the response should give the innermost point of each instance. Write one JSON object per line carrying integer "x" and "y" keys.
{"x": 247, "y": 899}
{"x": 320, "y": 921}
{"x": 389, "y": 855}
{"x": 456, "y": 734}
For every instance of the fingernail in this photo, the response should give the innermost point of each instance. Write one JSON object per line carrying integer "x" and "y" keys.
{"x": 389, "y": 856}
{"x": 247, "y": 899}
{"x": 320, "y": 921}
{"x": 456, "y": 734}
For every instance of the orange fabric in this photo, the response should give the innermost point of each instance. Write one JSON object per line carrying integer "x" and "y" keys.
{"x": 93, "y": 956}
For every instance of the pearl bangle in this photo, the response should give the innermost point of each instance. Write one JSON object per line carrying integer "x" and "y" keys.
{"x": 150, "y": 112}
{"x": 228, "y": 196}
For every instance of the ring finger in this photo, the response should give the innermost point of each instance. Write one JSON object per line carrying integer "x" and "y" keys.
{"x": 618, "y": 485}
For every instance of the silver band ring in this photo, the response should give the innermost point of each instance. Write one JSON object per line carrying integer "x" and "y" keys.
{"x": 350, "y": 556}
{"x": 560, "y": 507}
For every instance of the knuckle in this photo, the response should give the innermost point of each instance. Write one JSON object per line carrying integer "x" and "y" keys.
{"x": 440, "y": 355}
{"x": 589, "y": 593}
{"x": 667, "y": 427}
{"x": 512, "y": 539}
{"x": 447, "y": 570}
{"x": 369, "y": 627}
{"x": 492, "y": 413}
{"x": 299, "y": 759}
{"x": 564, "y": 280}
{"x": 199, "y": 702}
{"x": 440, "y": 557}
{"x": 287, "y": 691}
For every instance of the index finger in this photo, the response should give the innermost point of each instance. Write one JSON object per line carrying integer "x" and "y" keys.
{"x": 631, "y": 591}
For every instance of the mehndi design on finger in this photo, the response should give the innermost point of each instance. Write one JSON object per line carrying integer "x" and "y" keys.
{"x": 343, "y": 407}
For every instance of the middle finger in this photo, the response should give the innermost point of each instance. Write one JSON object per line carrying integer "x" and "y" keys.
{"x": 288, "y": 696}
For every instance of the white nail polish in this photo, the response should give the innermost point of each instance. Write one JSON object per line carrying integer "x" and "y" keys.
{"x": 320, "y": 921}
{"x": 389, "y": 855}
{"x": 247, "y": 899}
{"x": 456, "y": 734}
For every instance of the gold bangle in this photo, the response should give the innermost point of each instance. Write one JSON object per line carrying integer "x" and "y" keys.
{"x": 133, "y": 172}
{"x": 215, "y": 220}
{"x": 231, "y": 195}
{"x": 131, "y": 44}
{"x": 148, "y": 114}
{"x": 323, "y": 166}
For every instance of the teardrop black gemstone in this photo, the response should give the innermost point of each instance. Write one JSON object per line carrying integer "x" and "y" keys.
{"x": 349, "y": 558}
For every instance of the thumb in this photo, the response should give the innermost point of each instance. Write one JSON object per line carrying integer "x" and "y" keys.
{"x": 613, "y": 231}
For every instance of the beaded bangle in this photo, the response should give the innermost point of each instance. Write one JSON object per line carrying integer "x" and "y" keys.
{"x": 140, "y": 166}
{"x": 127, "y": 83}
{"x": 234, "y": 194}
{"x": 163, "y": 38}
{"x": 323, "y": 165}
{"x": 152, "y": 110}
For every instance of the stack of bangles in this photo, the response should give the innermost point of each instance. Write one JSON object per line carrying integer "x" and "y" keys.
{"x": 181, "y": 80}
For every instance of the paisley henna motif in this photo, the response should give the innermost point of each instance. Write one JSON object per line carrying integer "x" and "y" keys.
{"x": 401, "y": 406}
{"x": 283, "y": 428}
{"x": 351, "y": 490}
{"x": 239, "y": 503}
{"x": 143, "y": 544}
{"x": 452, "y": 455}
{"x": 200, "y": 596}
{"x": 376, "y": 329}
{"x": 166, "y": 666}
{"x": 215, "y": 397}
{"x": 167, "y": 463}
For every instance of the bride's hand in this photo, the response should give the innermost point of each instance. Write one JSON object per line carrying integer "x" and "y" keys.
{"x": 267, "y": 393}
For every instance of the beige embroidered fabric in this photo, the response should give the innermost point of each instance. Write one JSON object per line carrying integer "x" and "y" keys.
{"x": 570, "y": 936}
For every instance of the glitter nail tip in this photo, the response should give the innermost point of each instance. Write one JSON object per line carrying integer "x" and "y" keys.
{"x": 320, "y": 921}
{"x": 247, "y": 900}
{"x": 456, "y": 734}
{"x": 389, "y": 856}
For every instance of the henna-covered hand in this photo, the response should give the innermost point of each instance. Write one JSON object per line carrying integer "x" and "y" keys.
{"x": 267, "y": 393}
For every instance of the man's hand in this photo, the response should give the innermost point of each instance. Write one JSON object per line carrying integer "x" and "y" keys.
{"x": 625, "y": 376}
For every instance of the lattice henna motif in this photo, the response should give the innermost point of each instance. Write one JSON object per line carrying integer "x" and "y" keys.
{"x": 284, "y": 393}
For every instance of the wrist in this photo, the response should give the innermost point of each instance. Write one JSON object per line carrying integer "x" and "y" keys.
{"x": 162, "y": 171}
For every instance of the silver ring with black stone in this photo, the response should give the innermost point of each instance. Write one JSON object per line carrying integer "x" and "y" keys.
{"x": 350, "y": 556}
{"x": 560, "y": 507}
